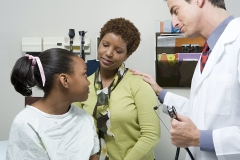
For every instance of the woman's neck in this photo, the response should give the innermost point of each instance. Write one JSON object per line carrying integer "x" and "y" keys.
{"x": 107, "y": 77}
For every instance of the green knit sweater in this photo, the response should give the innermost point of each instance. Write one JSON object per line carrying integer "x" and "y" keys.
{"x": 135, "y": 126}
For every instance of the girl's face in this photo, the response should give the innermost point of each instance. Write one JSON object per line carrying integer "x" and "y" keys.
{"x": 79, "y": 84}
{"x": 112, "y": 52}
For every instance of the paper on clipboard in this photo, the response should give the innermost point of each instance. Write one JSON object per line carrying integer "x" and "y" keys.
{"x": 168, "y": 40}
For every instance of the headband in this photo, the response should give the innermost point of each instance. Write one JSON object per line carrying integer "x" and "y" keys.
{"x": 34, "y": 60}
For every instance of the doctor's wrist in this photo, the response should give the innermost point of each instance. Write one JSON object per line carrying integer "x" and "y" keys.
{"x": 159, "y": 89}
{"x": 196, "y": 138}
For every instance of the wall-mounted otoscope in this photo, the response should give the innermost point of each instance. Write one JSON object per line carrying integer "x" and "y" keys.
{"x": 171, "y": 111}
{"x": 82, "y": 54}
{"x": 71, "y": 35}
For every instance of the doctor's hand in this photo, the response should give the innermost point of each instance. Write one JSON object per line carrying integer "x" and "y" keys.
{"x": 149, "y": 79}
{"x": 184, "y": 132}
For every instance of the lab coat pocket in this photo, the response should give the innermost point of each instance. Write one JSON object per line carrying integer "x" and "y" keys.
{"x": 219, "y": 94}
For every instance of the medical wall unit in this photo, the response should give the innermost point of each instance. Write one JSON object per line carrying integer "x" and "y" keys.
{"x": 39, "y": 44}
{"x": 176, "y": 55}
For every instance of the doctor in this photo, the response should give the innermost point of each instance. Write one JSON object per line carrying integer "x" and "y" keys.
{"x": 209, "y": 121}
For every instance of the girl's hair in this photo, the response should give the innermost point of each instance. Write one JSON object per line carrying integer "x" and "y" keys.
{"x": 24, "y": 76}
{"x": 124, "y": 28}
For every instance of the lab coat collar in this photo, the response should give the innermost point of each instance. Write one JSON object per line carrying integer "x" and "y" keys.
{"x": 229, "y": 35}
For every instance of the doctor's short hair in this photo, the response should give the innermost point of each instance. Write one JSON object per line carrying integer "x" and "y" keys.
{"x": 54, "y": 61}
{"x": 216, "y": 3}
{"x": 124, "y": 28}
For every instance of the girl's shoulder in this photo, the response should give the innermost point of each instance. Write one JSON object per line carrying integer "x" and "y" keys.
{"x": 80, "y": 112}
{"x": 26, "y": 115}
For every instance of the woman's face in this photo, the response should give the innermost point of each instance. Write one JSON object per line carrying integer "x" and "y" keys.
{"x": 112, "y": 51}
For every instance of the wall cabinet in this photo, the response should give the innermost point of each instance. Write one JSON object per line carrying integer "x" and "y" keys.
{"x": 176, "y": 59}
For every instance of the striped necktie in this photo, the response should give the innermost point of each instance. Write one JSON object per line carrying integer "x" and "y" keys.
{"x": 204, "y": 58}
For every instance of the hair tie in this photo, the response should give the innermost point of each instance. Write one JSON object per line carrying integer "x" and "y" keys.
{"x": 37, "y": 60}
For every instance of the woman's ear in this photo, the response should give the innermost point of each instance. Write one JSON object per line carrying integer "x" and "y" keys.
{"x": 64, "y": 80}
{"x": 127, "y": 56}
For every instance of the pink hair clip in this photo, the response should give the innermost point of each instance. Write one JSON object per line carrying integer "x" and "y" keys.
{"x": 34, "y": 60}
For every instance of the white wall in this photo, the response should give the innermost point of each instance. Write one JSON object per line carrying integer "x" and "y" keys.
{"x": 54, "y": 18}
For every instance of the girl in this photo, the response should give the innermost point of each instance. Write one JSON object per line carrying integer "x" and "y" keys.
{"x": 52, "y": 128}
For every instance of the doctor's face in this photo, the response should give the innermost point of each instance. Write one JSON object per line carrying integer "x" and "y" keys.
{"x": 112, "y": 52}
{"x": 185, "y": 16}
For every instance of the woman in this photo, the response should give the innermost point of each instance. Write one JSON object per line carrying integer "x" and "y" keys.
{"x": 52, "y": 128}
{"x": 121, "y": 104}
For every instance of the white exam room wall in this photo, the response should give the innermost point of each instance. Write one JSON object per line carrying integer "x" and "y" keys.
{"x": 27, "y": 18}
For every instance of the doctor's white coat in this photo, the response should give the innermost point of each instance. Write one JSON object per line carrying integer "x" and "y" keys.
{"x": 214, "y": 102}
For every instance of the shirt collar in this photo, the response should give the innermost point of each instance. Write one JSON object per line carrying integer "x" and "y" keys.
{"x": 217, "y": 32}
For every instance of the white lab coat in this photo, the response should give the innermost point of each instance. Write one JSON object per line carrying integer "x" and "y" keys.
{"x": 214, "y": 102}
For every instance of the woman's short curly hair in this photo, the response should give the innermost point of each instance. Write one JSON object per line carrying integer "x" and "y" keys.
{"x": 124, "y": 28}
